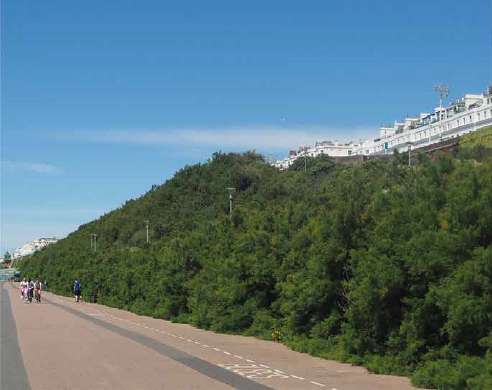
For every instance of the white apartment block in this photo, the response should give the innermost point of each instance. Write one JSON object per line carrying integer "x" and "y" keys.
{"x": 463, "y": 116}
{"x": 33, "y": 246}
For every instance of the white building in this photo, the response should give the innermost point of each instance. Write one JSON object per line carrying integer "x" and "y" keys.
{"x": 463, "y": 116}
{"x": 33, "y": 246}
{"x": 329, "y": 148}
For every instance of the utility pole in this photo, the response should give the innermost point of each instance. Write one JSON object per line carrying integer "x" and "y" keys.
{"x": 94, "y": 241}
{"x": 409, "y": 144}
{"x": 147, "y": 228}
{"x": 231, "y": 191}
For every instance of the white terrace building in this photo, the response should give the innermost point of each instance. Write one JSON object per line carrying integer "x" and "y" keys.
{"x": 328, "y": 148}
{"x": 33, "y": 246}
{"x": 463, "y": 116}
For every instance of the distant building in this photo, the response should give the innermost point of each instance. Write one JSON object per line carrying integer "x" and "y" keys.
{"x": 33, "y": 246}
{"x": 463, "y": 116}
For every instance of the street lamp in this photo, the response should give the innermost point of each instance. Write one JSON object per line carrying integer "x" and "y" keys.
{"x": 147, "y": 222}
{"x": 409, "y": 144}
{"x": 94, "y": 241}
{"x": 231, "y": 191}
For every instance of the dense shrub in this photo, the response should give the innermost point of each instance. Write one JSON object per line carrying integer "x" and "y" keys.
{"x": 377, "y": 263}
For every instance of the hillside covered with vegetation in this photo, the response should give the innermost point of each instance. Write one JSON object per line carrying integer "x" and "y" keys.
{"x": 378, "y": 263}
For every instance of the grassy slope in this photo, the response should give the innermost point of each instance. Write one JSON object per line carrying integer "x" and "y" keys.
{"x": 481, "y": 137}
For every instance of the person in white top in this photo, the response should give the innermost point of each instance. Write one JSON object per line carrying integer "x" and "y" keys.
{"x": 23, "y": 289}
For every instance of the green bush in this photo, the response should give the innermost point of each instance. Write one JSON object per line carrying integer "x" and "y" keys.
{"x": 376, "y": 263}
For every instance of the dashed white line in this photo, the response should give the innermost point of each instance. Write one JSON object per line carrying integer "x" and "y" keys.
{"x": 207, "y": 346}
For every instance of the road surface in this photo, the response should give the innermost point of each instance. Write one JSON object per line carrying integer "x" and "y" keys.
{"x": 59, "y": 344}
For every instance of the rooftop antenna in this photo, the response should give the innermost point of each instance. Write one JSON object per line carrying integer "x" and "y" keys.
{"x": 443, "y": 92}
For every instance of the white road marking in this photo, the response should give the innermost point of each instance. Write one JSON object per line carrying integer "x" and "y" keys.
{"x": 279, "y": 371}
{"x": 253, "y": 371}
{"x": 298, "y": 377}
{"x": 260, "y": 371}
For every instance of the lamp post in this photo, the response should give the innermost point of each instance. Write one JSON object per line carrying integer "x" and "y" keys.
{"x": 94, "y": 241}
{"x": 147, "y": 222}
{"x": 409, "y": 144}
{"x": 443, "y": 92}
{"x": 231, "y": 191}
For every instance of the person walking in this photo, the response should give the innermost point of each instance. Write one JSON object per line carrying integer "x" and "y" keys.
{"x": 30, "y": 290}
{"x": 76, "y": 290}
{"x": 23, "y": 289}
{"x": 37, "y": 291}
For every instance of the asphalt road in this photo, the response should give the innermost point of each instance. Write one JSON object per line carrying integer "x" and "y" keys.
{"x": 87, "y": 346}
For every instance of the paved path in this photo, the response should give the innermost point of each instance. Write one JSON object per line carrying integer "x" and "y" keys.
{"x": 13, "y": 375}
{"x": 87, "y": 346}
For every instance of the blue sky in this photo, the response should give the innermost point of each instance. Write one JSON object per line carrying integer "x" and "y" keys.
{"x": 102, "y": 99}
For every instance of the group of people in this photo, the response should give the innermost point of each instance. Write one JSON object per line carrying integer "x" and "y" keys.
{"x": 31, "y": 289}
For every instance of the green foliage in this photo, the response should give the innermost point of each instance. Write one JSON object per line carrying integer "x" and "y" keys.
{"x": 477, "y": 145}
{"x": 377, "y": 263}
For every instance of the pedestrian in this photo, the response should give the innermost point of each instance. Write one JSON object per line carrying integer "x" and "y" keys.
{"x": 22, "y": 287}
{"x": 30, "y": 290}
{"x": 76, "y": 290}
{"x": 37, "y": 291}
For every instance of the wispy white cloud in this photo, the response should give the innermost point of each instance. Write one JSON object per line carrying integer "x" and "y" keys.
{"x": 19, "y": 166}
{"x": 240, "y": 137}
